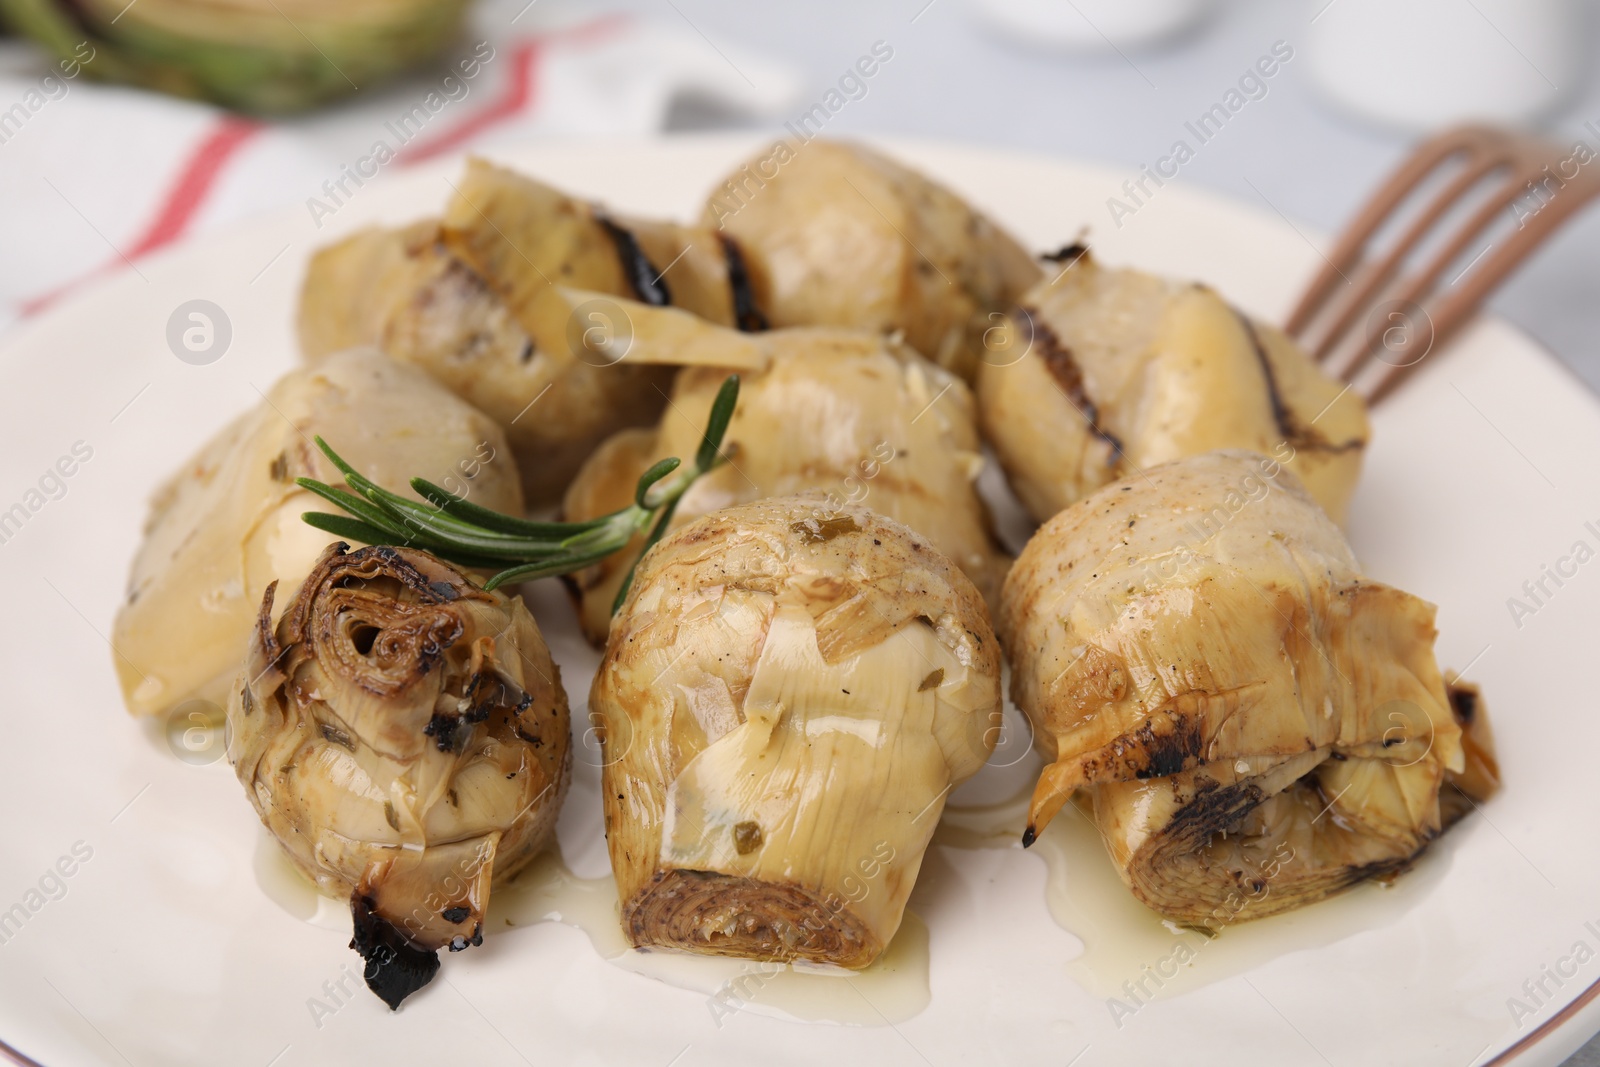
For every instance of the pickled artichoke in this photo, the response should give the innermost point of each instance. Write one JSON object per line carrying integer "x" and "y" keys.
{"x": 835, "y": 234}
{"x": 471, "y": 299}
{"x": 1254, "y": 720}
{"x": 228, "y": 523}
{"x": 1102, "y": 372}
{"x": 252, "y": 55}
{"x": 844, "y": 412}
{"x": 789, "y": 694}
{"x": 404, "y": 736}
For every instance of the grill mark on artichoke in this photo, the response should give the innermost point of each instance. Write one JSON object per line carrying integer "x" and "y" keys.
{"x": 1215, "y": 809}
{"x": 647, "y": 282}
{"x": 1059, "y": 361}
{"x": 746, "y": 315}
{"x": 1288, "y": 423}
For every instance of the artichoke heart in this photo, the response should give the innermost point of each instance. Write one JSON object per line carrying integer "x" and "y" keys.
{"x": 857, "y": 417}
{"x": 471, "y": 299}
{"x": 1101, "y": 372}
{"x": 404, "y": 736}
{"x": 228, "y": 523}
{"x": 835, "y": 234}
{"x": 1257, "y": 724}
{"x": 790, "y": 693}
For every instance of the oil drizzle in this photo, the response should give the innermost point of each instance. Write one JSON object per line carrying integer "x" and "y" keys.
{"x": 892, "y": 990}
{"x": 1130, "y": 952}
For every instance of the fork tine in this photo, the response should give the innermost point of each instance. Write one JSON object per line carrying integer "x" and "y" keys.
{"x": 1455, "y": 307}
{"x": 1347, "y": 253}
{"x": 1419, "y": 285}
{"x": 1535, "y": 165}
{"x": 1372, "y": 280}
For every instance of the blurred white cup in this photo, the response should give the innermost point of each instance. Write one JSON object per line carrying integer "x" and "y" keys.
{"x": 1092, "y": 25}
{"x": 1420, "y": 64}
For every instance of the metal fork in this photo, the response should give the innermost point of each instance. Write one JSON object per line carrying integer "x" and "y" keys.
{"x": 1360, "y": 312}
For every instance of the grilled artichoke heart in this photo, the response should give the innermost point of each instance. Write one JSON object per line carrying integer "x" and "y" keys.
{"x": 1102, "y": 372}
{"x": 469, "y": 299}
{"x": 835, "y": 234}
{"x": 1255, "y": 721}
{"x": 789, "y": 695}
{"x": 404, "y": 736}
{"x": 268, "y": 56}
{"x": 844, "y": 412}
{"x": 228, "y": 523}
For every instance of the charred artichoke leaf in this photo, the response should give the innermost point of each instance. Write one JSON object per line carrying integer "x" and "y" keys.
{"x": 404, "y": 735}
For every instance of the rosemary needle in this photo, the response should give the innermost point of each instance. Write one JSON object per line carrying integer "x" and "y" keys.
{"x": 452, "y": 528}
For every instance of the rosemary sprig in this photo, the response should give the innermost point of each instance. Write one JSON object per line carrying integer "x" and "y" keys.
{"x": 468, "y": 534}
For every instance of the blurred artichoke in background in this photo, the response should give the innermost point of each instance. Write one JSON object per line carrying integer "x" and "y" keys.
{"x": 267, "y": 56}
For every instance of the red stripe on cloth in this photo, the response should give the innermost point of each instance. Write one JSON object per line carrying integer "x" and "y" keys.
{"x": 520, "y": 91}
{"x": 194, "y": 182}
{"x": 517, "y": 95}
{"x": 182, "y": 202}
{"x": 199, "y": 173}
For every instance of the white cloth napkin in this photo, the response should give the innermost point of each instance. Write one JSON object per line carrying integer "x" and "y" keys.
{"x": 94, "y": 177}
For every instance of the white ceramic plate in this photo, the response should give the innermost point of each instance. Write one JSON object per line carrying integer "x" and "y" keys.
{"x": 162, "y": 948}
